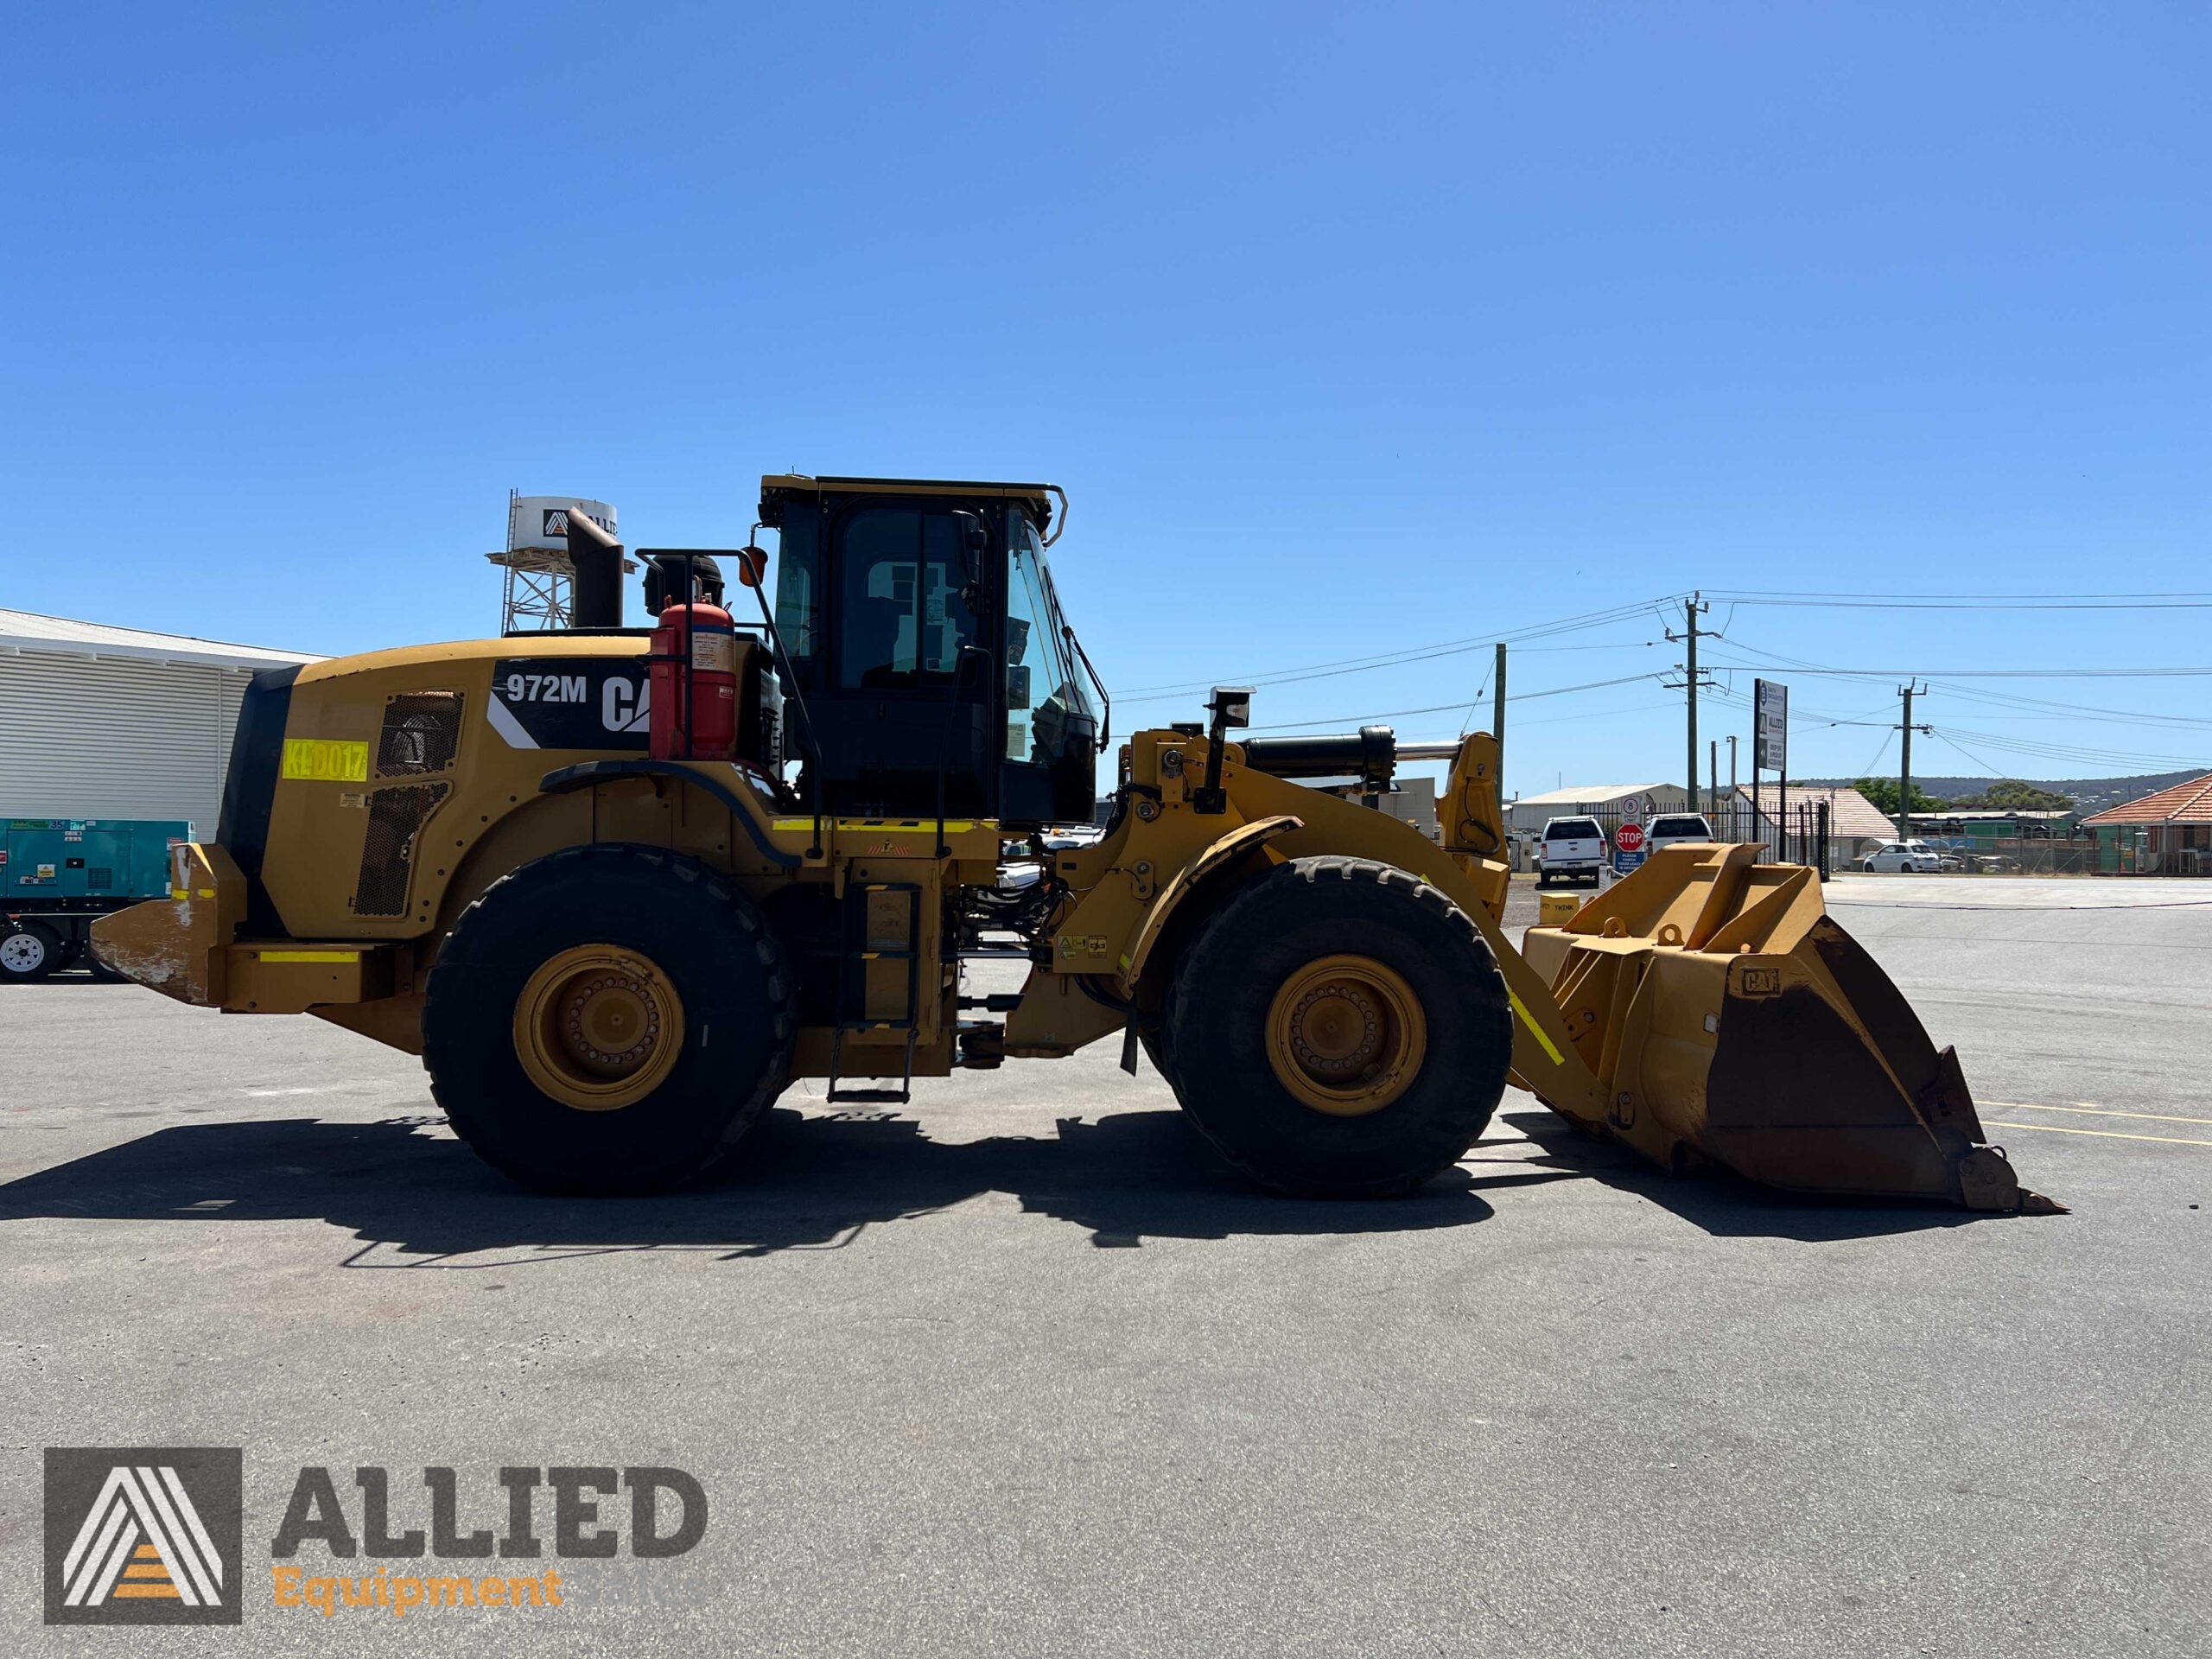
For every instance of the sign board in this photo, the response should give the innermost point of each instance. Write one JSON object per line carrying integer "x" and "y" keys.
{"x": 1769, "y": 726}
{"x": 1624, "y": 860}
{"x": 1629, "y": 838}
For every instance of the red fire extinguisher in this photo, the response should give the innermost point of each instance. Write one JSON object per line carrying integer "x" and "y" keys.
{"x": 694, "y": 663}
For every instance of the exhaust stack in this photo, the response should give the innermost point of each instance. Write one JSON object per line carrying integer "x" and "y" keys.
{"x": 596, "y": 559}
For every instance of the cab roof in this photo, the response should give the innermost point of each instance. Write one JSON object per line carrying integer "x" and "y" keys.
{"x": 777, "y": 488}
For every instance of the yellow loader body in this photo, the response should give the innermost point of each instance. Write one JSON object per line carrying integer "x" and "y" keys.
{"x": 612, "y": 955}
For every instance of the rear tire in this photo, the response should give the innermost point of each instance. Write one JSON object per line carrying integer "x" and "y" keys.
{"x": 1366, "y": 945}
{"x": 569, "y": 958}
{"x": 29, "y": 950}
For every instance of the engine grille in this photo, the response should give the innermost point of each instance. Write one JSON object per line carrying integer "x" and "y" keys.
{"x": 396, "y": 820}
{"x": 422, "y": 733}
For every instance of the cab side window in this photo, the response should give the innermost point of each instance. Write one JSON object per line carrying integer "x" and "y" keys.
{"x": 901, "y": 618}
{"x": 799, "y": 585}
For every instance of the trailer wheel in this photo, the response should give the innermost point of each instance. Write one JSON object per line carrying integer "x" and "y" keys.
{"x": 1340, "y": 1029}
{"x": 29, "y": 950}
{"x": 608, "y": 1019}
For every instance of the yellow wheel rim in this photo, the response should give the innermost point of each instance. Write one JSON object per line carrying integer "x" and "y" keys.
{"x": 598, "y": 1028}
{"x": 1346, "y": 1035}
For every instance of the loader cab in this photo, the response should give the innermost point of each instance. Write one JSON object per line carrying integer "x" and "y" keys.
{"x": 925, "y": 638}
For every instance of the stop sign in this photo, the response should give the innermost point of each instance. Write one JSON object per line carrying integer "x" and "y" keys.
{"x": 1629, "y": 837}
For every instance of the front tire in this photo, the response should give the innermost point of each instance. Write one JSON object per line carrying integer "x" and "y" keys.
{"x": 1340, "y": 1030}
{"x": 608, "y": 1019}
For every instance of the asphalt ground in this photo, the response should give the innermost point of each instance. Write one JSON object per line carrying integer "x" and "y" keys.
{"x": 1021, "y": 1370}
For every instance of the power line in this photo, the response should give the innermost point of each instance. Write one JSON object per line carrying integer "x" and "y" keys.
{"x": 2090, "y": 712}
{"x": 1799, "y": 665}
{"x": 1408, "y": 654}
{"x": 1951, "y": 742}
{"x": 1971, "y": 602}
{"x": 1875, "y": 759}
{"x": 1340, "y": 721}
{"x": 2078, "y": 711}
{"x": 2072, "y": 753}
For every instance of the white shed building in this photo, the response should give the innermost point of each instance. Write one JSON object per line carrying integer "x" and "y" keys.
{"x": 1608, "y": 801}
{"x": 105, "y": 722}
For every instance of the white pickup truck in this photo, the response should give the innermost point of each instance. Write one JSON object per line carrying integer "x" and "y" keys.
{"x": 1571, "y": 849}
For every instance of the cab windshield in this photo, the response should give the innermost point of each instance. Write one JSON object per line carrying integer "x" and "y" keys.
{"x": 1045, "y": 691}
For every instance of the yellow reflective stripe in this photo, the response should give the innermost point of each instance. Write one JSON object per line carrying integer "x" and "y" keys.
{"x": 787, "y": 826}
{"x": 1534, "y": 1030}
{"x": 307, "y": 955}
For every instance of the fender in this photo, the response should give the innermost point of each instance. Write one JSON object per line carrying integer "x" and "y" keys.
{"x": 1223, "y": 850}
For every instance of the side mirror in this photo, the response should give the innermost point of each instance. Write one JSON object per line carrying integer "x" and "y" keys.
{"x": 974, "y": 543}
{"x": 752, "y": 566}
{"x": 1230, "y": 707}
{"x": 974, "y": 540}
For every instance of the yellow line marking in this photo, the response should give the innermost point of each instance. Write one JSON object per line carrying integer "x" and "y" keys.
{"x": 307, "y": 955}
{"x": 2094, "y": 1111}
{"x": 2105, "y": 1134}
{"x": 1534, "y": 1030}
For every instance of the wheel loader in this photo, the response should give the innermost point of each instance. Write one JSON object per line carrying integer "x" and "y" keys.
{"x": 614, "y": 940}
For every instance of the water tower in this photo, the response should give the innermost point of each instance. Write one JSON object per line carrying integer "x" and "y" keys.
{"x": 536, "y": 599}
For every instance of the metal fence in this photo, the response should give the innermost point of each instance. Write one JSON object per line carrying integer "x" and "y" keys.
{"x": 1802, "y": 838}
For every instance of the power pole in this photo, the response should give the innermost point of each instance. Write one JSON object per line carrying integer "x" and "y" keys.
{"x": 1904, "y": 760}
{"x": 1693, "y": 608}
{"x": 1497, "y": 722}
{"x": 1712, "y": 778}
{"x": 1731, "y": 784}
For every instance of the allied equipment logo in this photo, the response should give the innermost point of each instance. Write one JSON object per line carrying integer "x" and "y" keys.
{"x": 144, "y": 1535}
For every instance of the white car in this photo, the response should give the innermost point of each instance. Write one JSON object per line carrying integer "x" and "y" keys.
{"x": 1916, "y": 857}
{"x": 1670, "y": 829}
{"x": 1571, "y": 848}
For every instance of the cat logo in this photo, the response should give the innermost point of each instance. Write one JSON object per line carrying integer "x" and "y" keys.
{"x": 132, "y": 1535}
{"x": 1762, "y": 981}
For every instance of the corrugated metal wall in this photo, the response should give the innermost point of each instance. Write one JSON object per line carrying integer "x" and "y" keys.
{"x": 115, "y": 737}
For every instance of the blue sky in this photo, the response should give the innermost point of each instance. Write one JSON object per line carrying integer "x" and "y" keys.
{"x": 1348, "y": 329}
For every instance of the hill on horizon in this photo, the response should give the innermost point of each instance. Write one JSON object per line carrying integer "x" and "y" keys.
{"x": 2090, "y": 794}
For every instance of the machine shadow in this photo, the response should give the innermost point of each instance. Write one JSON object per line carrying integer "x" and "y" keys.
{"x": 802, "y": 1181}
{"x": 1722, "y": 1203}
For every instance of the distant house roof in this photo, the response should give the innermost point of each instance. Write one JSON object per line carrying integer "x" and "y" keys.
{"x": 1581, "y": 792}
{"x": 27, "y": 630}
{"x": 2188, "y": 803}
{"x": 1852, "y": 817}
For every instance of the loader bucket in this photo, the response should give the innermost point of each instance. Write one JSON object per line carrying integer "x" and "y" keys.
{"x": 1728, "y": 1017}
